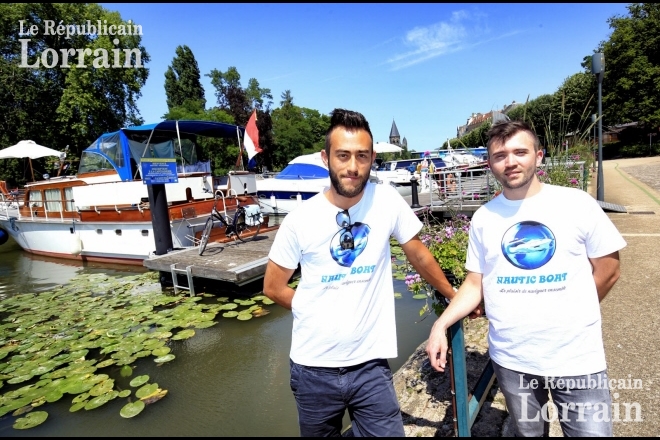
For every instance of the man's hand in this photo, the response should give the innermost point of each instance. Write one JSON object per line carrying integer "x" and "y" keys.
{"x": 436, "y": 347}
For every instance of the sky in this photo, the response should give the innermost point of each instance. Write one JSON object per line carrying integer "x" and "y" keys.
{"x": 426, "y": 67}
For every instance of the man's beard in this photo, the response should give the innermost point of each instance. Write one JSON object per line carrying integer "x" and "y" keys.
{"x": 527, "y": 177}
{"x": 343, "y": 190}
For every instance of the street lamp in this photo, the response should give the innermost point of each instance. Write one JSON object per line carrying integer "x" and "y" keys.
{"x": 594, "y": 118}
{"x": 598, "y": 69}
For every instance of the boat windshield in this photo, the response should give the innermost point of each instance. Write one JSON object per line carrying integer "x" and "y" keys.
{"x": 90, "y": 162}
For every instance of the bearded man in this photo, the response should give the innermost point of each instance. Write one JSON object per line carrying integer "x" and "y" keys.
{"x": 344, "y": 327}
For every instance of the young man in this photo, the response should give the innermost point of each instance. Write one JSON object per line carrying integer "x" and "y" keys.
{"x": 344, "y": 327}
{"x": 542, "y": 257}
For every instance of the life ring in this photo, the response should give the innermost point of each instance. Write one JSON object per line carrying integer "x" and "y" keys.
{"x": 4, "y": 236}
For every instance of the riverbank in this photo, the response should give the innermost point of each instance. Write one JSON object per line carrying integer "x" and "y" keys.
{"x": 629, "y": 322}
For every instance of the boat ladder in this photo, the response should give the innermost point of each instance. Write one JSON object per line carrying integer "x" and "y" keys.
{"x": 188, "y": 272}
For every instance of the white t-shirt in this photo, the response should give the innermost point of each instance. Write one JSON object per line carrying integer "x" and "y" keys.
{"x": 343, "y": 308}
{"x": 539, "y": 291}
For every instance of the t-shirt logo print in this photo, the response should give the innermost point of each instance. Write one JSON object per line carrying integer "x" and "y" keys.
{"x": 528, "y": 245}
{"x": 349, "y": 241}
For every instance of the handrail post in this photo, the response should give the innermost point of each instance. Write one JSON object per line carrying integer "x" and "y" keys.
{"x": 415, "y": 199}
{"x": 458, "y": 369}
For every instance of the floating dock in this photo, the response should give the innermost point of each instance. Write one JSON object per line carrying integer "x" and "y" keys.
{"x": 233, "y": 262}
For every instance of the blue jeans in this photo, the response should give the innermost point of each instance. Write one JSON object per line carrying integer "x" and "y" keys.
{"x": 366, "y": 390}
{"x": 582, "y": 403}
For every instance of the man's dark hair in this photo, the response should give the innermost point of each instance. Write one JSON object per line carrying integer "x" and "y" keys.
{"x": 348, "y": 120}
{"x": 505, "y": 130}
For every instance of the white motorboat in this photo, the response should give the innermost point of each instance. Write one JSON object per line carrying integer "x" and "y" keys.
{"x": 102, "y": 213}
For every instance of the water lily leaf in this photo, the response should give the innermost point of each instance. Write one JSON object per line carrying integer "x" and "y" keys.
{"x": 139, "y": 380}
{"x": 126, "y": 361}
{"x": 231, "y": 314}
{"x": 397, "y": 295}
{"x": 19, "y": 379}
{"x": 166, "y": 358}
{"x": 420, "y": 296}
{"x": 106, "y": 363}
{"x": 33, "y": 419}
{"x": 22, "y": 410}
{"x": 205, "y": 324}
{"x": 268, "y": 301}
{"x": 126, "y": 371}
{"x": 97, "y": 401}
{"x": 80, "y": 398}
{"x": 259, "y": 297}
{"x": 259, "y": 312}
{"x": 124, "y": 393}
{"x": 228, "y": 306}
{"x": 146, "y": 390}
{"x": 162, "y": 351}
{"x": 53, "y": 396}
{"x": 132, "y": 409}
{"x": 102, "y": 388}
{"x": 244, "y": 316}
{"x": 143, "y": 353}
{"x": 184, "y": 334}
{"x": 154, "y": 397}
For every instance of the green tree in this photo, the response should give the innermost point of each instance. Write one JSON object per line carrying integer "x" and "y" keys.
{"x": 632, "y": 67}
{"x": 57, "y": 106}
{"x": 182, "y": 79}
{"x": 296, "y": 131}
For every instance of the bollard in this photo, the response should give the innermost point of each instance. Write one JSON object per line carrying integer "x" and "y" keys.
{"x": 415, "y": 199}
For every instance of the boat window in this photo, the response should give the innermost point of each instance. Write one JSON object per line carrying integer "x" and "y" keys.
{"x": 90, "y": 162}
{"x": 35, "y": 199}
{"x": 68, "y": 196}
{"x": 53, "y": 200}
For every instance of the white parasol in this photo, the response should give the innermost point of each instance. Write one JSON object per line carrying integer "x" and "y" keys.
{"x": 384, "y": 147}
{"x": 31, "y": 150}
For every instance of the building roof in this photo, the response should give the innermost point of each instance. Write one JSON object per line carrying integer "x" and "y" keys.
{"x": 394, "y": 132}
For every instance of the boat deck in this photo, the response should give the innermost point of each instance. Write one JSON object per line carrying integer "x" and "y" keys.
{"x": 234, "y": 262}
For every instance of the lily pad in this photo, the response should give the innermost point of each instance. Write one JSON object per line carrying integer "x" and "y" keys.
{"x": 420, "y": 296}
{"x": 124, "y": 393}
{"x": 231, "y": 314}
{"x": 166, "y": 358}
{"x": 244, "y": 316}
{"x": 126, "y": 371}
{"x": 97, "y": 401}
{"x": 146, "y": 390}
{"x": 132, "y": 409}
{"x": 139, "y": 380}
{"x": 80, "y": 398}
{"x": 154, "y": 397}
{"x": 162, "y": 351}
{"x": 184, "y": 334}
{"x": 205, "y": 324}
{"x": 33, "y": 419}
{"x": 106, "y": 363}
{"x": 268, "y": 301}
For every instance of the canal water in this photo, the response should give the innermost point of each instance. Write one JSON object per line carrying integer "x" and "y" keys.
{"x": 231, "y": 379}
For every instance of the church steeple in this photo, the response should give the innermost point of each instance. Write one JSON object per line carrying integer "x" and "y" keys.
{"x": 395, "y": 138}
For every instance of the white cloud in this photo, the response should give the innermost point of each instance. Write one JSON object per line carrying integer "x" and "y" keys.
{"x": 462, "y": 30}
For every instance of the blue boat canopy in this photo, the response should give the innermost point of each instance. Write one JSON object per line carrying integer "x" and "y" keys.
{"x": 302, "y": 171}
{"x": 124, "y": 149}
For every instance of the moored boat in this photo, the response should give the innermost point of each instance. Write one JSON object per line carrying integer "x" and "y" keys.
{"x": 102, "y": 213}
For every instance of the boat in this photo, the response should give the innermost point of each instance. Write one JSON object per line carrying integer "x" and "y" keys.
{"x": 307, "y": 175}
{"x": 302, "y": 178}
{"x": 102, "y": 213}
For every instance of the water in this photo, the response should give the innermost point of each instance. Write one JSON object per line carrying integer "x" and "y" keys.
{"x": 231, "y": 379}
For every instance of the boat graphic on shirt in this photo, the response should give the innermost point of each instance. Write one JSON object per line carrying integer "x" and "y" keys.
{"x": 339, "y": 249}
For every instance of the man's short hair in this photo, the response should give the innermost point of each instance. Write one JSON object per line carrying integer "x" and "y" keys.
{"x": 350, "y": 121}
{"x": 505, "y": 130}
